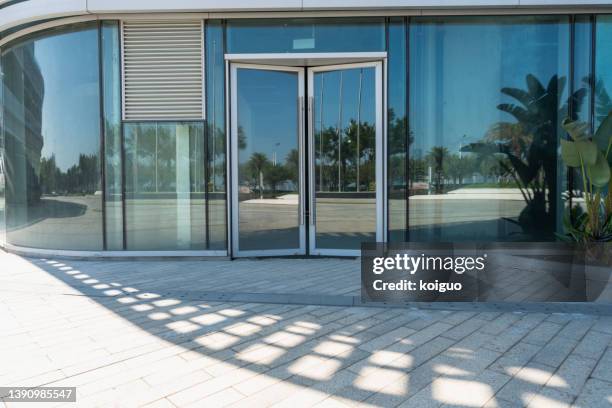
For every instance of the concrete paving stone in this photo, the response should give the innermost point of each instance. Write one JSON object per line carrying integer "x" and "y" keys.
{"x": 572, "y": 374}
{"x": 543, "y": 333}
{"x": 497, "y": 402}
{"x": 161, "y": 403}
{"x": 500, "y": 323}
{"x": 553, "y": 353}
{"x": 604, "y": 324}
{"x": 386, "y": 339}
{"x": 458, "y": 317}
{"x": 576, "y": 329}
{"x": 560, "y": 318}
{"x": 593, "y": 344}
{"x": 551, "y": 397}
{"x": 469, "y": 391}
{"x": 515, "y": 358}
{"x": 422, "y": 399}
{"x": 166, "y": 349}
{"x": 274, "y": 393}
{"x": 220, "y": 399}
{"x": 331, "y": 402}
{"x": 595, "y": 394}
{"x": 465, "y": 328}
{"x": 525, "y": 384}
{"x": 603, "y": 369}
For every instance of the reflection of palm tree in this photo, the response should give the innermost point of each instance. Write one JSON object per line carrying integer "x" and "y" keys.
{"x": 257, "y": 163}
{"x": 511, "y": 133}
{"x": 438, "y": 155}
{"x": 293, "y": 165}
{"x": 529, "y": 147}
{"x": 603, "y": 102}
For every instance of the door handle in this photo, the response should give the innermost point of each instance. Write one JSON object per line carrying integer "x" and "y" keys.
{"x": 300, "y": 160}
{"x": 312, "y": 172}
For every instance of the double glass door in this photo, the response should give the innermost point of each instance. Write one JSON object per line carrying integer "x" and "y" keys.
{"x": 306, "y": 167}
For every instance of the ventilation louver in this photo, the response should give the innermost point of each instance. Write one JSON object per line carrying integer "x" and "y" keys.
{"x": 162, "y": 70}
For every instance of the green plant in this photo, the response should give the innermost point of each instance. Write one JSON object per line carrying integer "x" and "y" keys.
{"x": 591, "y": 155}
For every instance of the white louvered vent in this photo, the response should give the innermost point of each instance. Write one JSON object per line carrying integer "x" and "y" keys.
{"x": 162, "y": 70}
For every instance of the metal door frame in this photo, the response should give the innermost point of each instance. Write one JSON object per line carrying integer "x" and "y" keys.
{"x": 233, "y": 149}
{"x": 381, "y": 173}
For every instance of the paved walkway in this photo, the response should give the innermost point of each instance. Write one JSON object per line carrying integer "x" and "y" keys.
{"x": 99, "y": 326}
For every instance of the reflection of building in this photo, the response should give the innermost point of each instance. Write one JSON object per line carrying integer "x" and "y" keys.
{"x": 23, "y": 101}
{"x": 467, "y": 148}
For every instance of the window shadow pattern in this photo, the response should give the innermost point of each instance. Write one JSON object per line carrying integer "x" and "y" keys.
{"x": 381, "y": 357}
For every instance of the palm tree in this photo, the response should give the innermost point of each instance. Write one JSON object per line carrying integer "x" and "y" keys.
{"x": 258, "y": 163}
{"x": 438, "y": 156}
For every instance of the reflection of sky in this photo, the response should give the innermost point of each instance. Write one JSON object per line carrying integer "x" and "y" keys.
{"x": 70, "y": 122}
{"x": 458, "y": 70}
{"x": 350, "y": 97}
{"x": 267, "y": 112}
{"x": 267, "y": 106}
{"x": 604, "y": 51}
{"x": 306, "y": 35}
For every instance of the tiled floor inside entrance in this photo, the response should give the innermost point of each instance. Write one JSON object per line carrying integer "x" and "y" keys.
{"x": 128, "y": 334}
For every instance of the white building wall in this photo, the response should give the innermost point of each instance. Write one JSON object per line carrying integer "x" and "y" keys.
{"x": 32, "y": 10}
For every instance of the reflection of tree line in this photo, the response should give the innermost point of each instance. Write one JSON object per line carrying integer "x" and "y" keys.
{"x": 345, "y": 158}
{"x": 345, "y": 162}
{"x": 151, "y": 158}
{"x": 260, "y": 172}
{"x": 79, "y": 179}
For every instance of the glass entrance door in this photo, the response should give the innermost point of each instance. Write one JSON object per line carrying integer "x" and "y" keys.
{"x": 267, "y": 160}
{"x": 346, "y": 157}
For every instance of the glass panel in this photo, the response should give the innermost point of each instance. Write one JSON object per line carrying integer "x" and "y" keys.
{"x": 397, "y": 129}
{"x": 268, "y": 159}
{"x": 165, "y": 186}
{"x": 582, "y": 66}
{"x": 112, "y": 134}
{"x": 487, "y": 96}
{"x": 215, "y": 112}
{"x": 583, "y": 80}
{"x": 344, "y": 126}
{"x": 603, "y": 62}
{"x": 306, "y": 35}
{"x": 52, "y": 118}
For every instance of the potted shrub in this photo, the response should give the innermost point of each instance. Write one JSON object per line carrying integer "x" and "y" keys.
{"x": 590, "y": 223}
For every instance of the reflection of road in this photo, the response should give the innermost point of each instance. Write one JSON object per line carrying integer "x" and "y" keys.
{"x": 463, "y": 214}
{"x": 171, "y": 224}
{"x": 61, "y": 222}
{"x": 341, "y": 223}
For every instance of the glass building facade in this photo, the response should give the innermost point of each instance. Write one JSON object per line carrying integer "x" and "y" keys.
{"x": 420, "y": 129}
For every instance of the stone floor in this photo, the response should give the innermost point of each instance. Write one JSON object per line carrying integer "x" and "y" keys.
{"x": 125, "y": 334}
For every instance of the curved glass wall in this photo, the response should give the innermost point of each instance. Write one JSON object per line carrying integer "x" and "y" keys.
{"x": 487, "y": 97}
{"x": 483, "y": 97}
{"x": 52, "y": 140}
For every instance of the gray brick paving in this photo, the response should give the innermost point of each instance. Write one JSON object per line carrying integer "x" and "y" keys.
{"x": 123, "y": 340}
